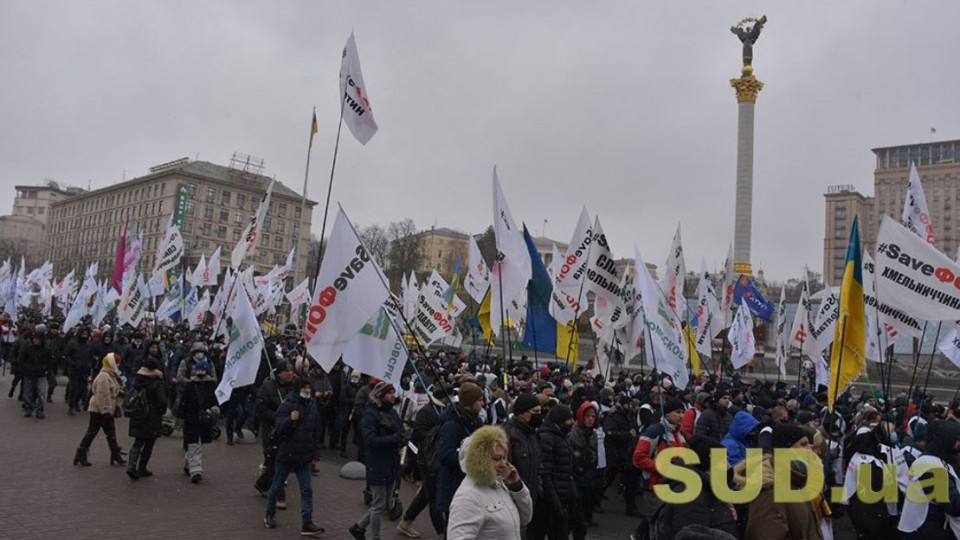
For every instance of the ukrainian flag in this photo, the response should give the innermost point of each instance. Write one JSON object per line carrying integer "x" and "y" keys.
{"x": 849, "y": 357}
{"x": 543, "y": 333}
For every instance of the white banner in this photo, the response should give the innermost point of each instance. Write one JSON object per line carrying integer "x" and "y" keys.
{"x": 950, "y": 346}
{"x": 478, "y": 275}
{"x": 248, "y": 240}
{"x": 348, "y": 292}
{"x": 727, "y": 287}
{"x": 354, "y": 98}
{"x": 377, "y": 350}
{"x": 511, "y": 272}
{"x": 243, "y": 352}
{"x": 431, "y": 322}
{"x": 914, "y": 276}
{"x": 781, "y": 322}
{"x": 801, "y": 333}
{"x": 666, "y": 348}
{"x": 893, "y": 320}
{"x": 674, "y": 274}
{"x": 566, "y": 300}
{"x": 600, "y": 278}
{"x": 131, "y": 304}
{"x": 825, "y": 324}
{"x": 742, "y": 343}
{"x": 709, "y": 314}
{"x": 916, "y": 214}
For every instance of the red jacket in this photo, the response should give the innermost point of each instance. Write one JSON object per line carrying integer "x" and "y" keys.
{"x": 651, "y": 442}
{"x": 690, "y": 420}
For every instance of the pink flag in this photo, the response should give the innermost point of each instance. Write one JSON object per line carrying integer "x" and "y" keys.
{"x": 117, "y": 280}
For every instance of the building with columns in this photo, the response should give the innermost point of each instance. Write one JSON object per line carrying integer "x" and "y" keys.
{"x": 211, "y": 203}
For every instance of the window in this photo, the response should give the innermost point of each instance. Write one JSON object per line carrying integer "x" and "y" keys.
{"x": 30, "y": 210}
{"x": 163, "y": 187}
{"x": 281, "y": 225}
{"x": 241, "y": 200}
{"x": 236, "y": 235}
{"x": 267, "y": 222}
{"x": 221, "y": 232}
{"x": 206, "y": 228}
{"x": 188, "y": 207}
{"x": 278, "y": 242}
{"x": 254, "y": 203}
{"x": 266, "y": 239}
{"x": 224, "y": 215}
{"x": 208, "y": 211}
{"x": 211, "y": 194}
{"x": 282, "y": 208}
{"x": 238, "y": 218}
{"x": 224, "y": 197}
{"x": 187, "y": 226}
{"x": 41, "y": 209}
{"x": 191, "y": 191}
{"x": 297, "y": 211}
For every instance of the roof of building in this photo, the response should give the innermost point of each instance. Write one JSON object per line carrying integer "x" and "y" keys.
{"x": 445, "y": 231}
{"x": 26, "y": 220}
{"x": 914, "y": 145}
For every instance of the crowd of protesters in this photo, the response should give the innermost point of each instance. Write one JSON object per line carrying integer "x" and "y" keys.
{"x": 506, "y": 449}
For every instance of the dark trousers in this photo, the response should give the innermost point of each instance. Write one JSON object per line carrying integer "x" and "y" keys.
{"x": 547, "y": 523}
{"x": 629, "y": 479}
{"x": 51, "y": 384}
{"x": 420, "y": 501}
{"x": 581, "y": 512}
{"x": 76, "y": 389}
{"x": 265, "y": 480}
{"x": 237, "y": 414}
{"x": 13, "y": 386}
{"x": 143, "y": 448}
{"x": 97, "y": 422}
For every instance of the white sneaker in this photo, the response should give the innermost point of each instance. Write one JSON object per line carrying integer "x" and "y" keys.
{"x": 407, "y": 530}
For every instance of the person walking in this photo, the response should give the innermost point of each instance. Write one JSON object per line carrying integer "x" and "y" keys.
{"x": 104, "y": 399}
{"x": 384, "y": 438}
{"x": 551, "y": 516}
{"x": 81, "y": 355}
{"x": 297, "y": 426}
{"x": 199, "y": 410}
{"x": 35, "y": 362}
{"x": 271, "y": 394}
{"x": 146, "y": 429}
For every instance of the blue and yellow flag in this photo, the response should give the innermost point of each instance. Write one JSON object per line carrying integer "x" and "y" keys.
{"x": 450, "y": 294}
{"x": 313, "y": 127}
{"x": 849, "y": 345}
{"x": 543, "y": 333}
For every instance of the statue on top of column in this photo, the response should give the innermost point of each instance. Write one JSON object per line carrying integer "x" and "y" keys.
{"x": 749, "y": 34}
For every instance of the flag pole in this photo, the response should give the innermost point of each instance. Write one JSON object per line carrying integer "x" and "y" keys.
{"x": 303, "y": 199}
{"x": 933, "y": 353}
{"x": 916, "y": 361}
{"x": 503, "y": 342}
{"x": 326, "y": 206}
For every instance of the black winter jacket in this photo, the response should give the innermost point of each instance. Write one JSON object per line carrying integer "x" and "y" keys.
{"x": 300, "y": 439}
{"x": 705, "y": 510}
{"x": 383, "y": 439}
{"x": 556, "y": 467}
{"x": 149, "y": 426}
{"x": 619, "y": 443}
{"x": 525, "y": 454}
{"x": 34, "y": 360}
{"x": 269, "y": 397}
{"x": 713, "y": 423}
{"x": 583, "y": 444}
{"x": 81, "y": 356}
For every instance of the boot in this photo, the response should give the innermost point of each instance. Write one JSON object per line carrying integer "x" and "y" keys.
{"x": 80, "y": 458}
{"x": 132, "y": 471}
{"x": 116, "y": 456}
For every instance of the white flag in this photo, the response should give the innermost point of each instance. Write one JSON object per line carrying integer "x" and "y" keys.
{"x": 826, "y": 321}
{"x": 478, "y": 275}
{"x": 131, "y": 304}
{"x": 512, "y": 270}
{"x": 199, "y": 311}
{"x": 169, "y": 249}
{"x": 410, "y": 296}
{"x": 354, "y": 98}
{"x": 199, "y": 272}
{"x": 916, "y": 214}
{"x": 377, "y": 350}
{"x": 248, "y": 240}
{"x": 822, "y": 372}
{"x": 729, "y": 284}
{"x": 567, "y": 297}
{"x": 801, "y": 333}
{"x": 349, "y": 291}
{"x": 212, "y": 270}
{"x": 950, "y": 346}
{"x": 666, "y": 348}
{"x": 600, "y": 278}
{"x": 892, "y": 319}
{"x": 709, "y": 314}
{"x": 674, "y": 274}
{"x": 743, "y": 346}
{"x": 437, "y": 286}
{"x": 914, "y": 276}
{"x": 299, "y": 295}
{"x": 431, "y": 321}
{"x": 782, "y": 350}
{"x": 243, "y": 351}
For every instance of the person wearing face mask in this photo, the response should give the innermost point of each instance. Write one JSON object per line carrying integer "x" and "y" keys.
{"x": 80, "y": 354}
{"x": 870, "y": 450}
{"x": 492, "y": 502}
{"x": 767, "y": 518}
{"x": 521, "y": 430}
{"x": 271, "y": 394}
{"x": 187, "y": 369}
{"x": 384, "y": 437}
{"x": 621, "y": 436}
{"x": 588, "y": 478}
{"x": 297, "y": 424}
{"x": 456, "y": 424}
{"x": 935, "y": 520}
{"x": 199, "y": 410}
{"x": 552, "y": 512}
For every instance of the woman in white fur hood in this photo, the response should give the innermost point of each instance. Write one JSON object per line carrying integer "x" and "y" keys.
{"x": 491, "y": 502}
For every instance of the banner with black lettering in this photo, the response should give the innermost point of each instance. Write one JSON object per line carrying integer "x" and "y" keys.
{"x": 743, "y": 345}
{"x": 667, "y": 350}
{"x": 245, "y": 345}
{"x": 890, "y": 318}
{"x": 950, "y": 346}
{"x": 354, "y": 98}
{"x": 349, "y": 290}
{"x": 600, "y": 278}
{"x": 825, "y": 323}
{"x": 567, "y": 297}
{"x": 377, "y": 350}
{"x": 431, "y": 322}
{"x": 675, "y": 274}
{"x": 914, "y": 276}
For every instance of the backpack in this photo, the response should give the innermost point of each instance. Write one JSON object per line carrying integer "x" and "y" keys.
{"x": 135, "y": 404}
{"x": 427, "y": 453}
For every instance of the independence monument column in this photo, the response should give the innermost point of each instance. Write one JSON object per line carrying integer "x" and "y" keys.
{"x": 747, "y": 88}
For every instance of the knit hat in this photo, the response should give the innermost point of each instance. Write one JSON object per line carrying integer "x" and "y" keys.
{"x": 282, "y": 366}
{"x": 786, "y": 435}
{"x": 703, "y": 398}
{"x": 559, "y": 414}
{"x": 202, "y": 365}
{"x": 524, "y": 403}
{"x": 469, "y": 394}
{"x": 701, "y": 445}
{"x": 809, "y": 401}
{"x": 383, "y": 388}
{"x": 673, "y": 404}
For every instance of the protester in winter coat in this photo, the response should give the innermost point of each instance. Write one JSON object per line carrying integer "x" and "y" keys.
{"x": 384, "y": 437}
{"x": 492, "y": 502}
{"x": 690, "y": 417}
{"x": 736, "y": 440}
{"x": 146, "y": 430}
{"x": 103, "y": 405}
{"x": 552, "y": 513}
{"x": 524, "y": 447}
{"x": 935, "y": 520}
{"x": 715, "y": 421}
{"x": 456, "y": 424}
{"x": 705, "y": 510}
{"x": 272, "y": 392}
{"x": 877, "y": 519}
{"x": 583, "y": 443}
{"x": 54, "y": 342}
{"x": 297, "y": 424}
{"x": 199, "y": 409}
{"x": 34, "y": 362}
{"x": 771, "y": 520}
{"x": 80, "y": 354}
{"x": 620, "y": 429}
{"x": 427, "y": 417}
{"x": 656, "y": 438}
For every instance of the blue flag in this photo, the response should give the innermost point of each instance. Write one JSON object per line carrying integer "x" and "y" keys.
{"x": 746, "y": 293}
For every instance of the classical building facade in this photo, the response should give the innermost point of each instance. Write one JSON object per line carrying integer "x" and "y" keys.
{"x": 938, "y": 164}
{"x": 441, "y": 248}
{"x": 211, "y": 203}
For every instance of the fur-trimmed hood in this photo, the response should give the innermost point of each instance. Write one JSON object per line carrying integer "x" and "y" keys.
{"x": 476, "y": 454}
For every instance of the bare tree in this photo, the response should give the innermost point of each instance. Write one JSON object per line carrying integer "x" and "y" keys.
{"x": 404, "y": 254}
{"x": 14, "y": 250}
{"x": 375, "y": 239}
{"x": 487, "y": 242}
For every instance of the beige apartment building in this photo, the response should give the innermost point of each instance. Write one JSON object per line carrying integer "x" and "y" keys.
{"x": 938, "y": 164}
{"x": 211, "y": 203}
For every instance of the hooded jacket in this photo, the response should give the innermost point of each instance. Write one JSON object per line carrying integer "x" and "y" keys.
{"x": 105, "y": 390}
{"x": 736, "y": 440}
{"x": 383, "y": 439}
{"x": 456, "y": 424}
{"x": 299, "y": 439}
{"x": 556, "y": 466}
{"x": 151, "y": 381}
{"x": 483, "y": 506}
{"x": 525, "y": 454}
{"x": 583, "y": 444}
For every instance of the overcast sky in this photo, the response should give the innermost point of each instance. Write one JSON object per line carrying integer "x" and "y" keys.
{"x": 622, "y": 106}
